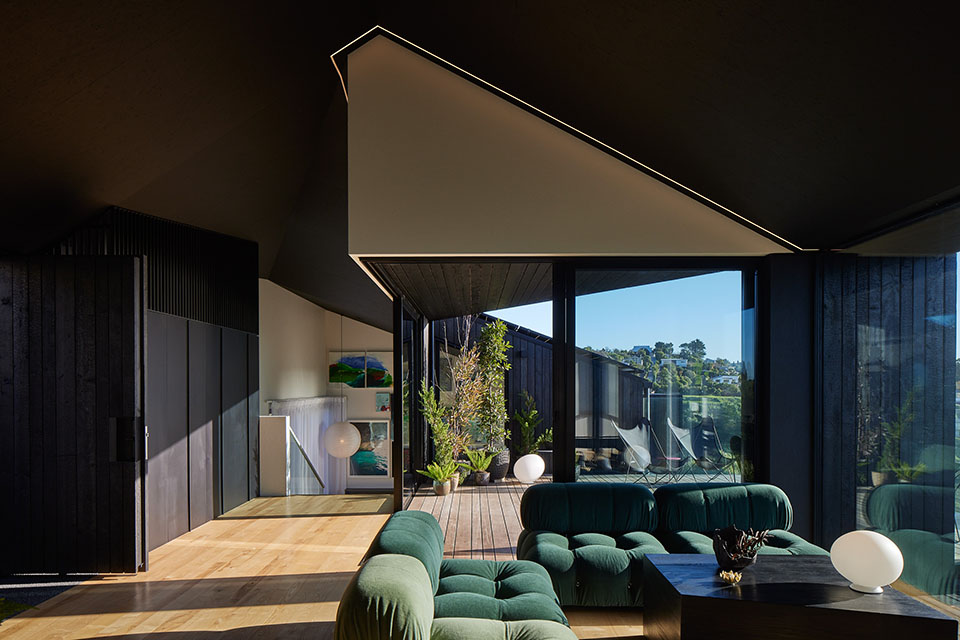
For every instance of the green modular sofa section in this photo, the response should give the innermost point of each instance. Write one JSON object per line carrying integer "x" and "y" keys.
{"x": 919, "y": 520}
{"x": 591, "y": 538}
{"x": 406, "y": 589}
{"x": 689, "y": 513}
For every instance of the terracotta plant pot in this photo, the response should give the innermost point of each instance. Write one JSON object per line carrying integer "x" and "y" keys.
{"x": 454, "y": 482}
{"x": 481, "y": 478}
{"x": 441, "y": 488}
{"x": 883, "y": 477}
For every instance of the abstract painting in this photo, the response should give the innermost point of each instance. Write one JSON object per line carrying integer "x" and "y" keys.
{"x": 379, "y": 364}
{"x": 382, "y": 402}
{"x": 373, "y": 457}
{"x": 349, "y": 368}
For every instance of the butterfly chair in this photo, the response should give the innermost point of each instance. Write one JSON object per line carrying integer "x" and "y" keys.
{"x": 703, "y": 447}
{"x": 652, "y": 469}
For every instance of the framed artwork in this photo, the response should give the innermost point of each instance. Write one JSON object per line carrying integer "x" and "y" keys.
{"x": 349, "y": 368}
{"x": 372, "y": 460}
{"x": 378, "y": 372}
{"x": 383, "y": 402}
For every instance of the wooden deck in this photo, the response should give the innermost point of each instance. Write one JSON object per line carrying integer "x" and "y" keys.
{"x": 477, "y": 522}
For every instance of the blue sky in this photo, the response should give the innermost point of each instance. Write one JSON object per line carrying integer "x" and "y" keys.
{"x": 705, "y": 307}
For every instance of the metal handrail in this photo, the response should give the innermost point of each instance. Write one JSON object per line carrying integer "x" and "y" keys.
{"x": 306, "y": 457}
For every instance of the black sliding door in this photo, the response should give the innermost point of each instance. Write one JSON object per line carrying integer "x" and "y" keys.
{"x": 166, "y": 411}
{"x": 71, "y": 428}
{"x": 204, "y": 421}
{"x": 234, "y": 435}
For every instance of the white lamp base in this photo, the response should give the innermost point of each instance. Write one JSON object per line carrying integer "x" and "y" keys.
{"x": 863, "y": 589}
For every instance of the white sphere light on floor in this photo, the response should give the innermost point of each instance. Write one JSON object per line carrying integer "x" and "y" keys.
{"x": 869, "y": 560}
{"x": 529, "y": 468}
{"x": 342, "y": 440}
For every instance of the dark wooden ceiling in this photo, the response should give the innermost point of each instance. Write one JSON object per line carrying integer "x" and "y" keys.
{"x": 442, "y": 290}
{"x": 823, "y": 122}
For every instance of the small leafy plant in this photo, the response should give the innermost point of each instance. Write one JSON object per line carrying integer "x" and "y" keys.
{"x": 440, "y": 472}
{"x": 528, "y": 419}
{"x": 480, "y": 459}
{"x": 908, "y": 472}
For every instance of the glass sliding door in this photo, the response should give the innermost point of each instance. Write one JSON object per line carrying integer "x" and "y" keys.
{"x": 890, "y": 430}
{"x": 663, "y": 375}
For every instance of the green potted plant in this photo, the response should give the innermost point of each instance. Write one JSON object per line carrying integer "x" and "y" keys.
{"x": 491, "y": 415}
{"x": 528, "y": 442}
{"x": 480, "y": 460}
{"x": 892, "y": 432}
{"x": 440, "y": 474}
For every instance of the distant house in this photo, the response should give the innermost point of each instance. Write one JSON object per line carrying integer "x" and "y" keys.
{"x": 726, "y": 379}
{"x": 642, "y": 347}
{"x": 680, "y": 363}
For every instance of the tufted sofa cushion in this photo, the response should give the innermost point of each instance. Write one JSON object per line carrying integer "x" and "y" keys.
{"x": 413, "y": 533}
{"x": 891, "y": 507}
{"x": 591, "y": 538}
{"x": 691, "y": 512}
{"x": 507, "y": 591}
{"x": 390, "y": 597}
{"x": 571, "y": 508}
{"x": 476, "y": 629}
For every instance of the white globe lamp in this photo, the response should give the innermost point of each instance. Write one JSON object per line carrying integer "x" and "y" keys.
{"x": 342, "y": 440}
{"x": 529, "y": 468}
{"x": 869, "y": 560}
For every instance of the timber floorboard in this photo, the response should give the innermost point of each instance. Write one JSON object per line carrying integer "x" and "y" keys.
{"x": 272, "y": 568}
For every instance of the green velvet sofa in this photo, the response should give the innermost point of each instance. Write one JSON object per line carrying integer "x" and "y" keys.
{"x": 689, "y": 513}
{"x": 919, "y": 520}
{"x": 591, "y": 539}
{"x": 406, "y": 589}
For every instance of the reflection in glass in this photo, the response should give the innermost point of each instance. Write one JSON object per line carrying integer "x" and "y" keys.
{"x": 661, "y": 365}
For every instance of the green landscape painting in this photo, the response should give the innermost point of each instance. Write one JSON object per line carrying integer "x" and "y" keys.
{"x": 348, "y": 368}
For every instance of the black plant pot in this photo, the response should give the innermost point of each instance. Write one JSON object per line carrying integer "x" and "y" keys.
{"x": 547, "y": 455}
{"x": 498, "y": 468}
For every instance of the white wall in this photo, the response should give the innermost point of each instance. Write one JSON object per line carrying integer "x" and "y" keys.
{"x": 296, "y": 338}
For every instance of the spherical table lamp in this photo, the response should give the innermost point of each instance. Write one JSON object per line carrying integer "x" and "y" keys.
{"x": 528, "y": 468}
{"x": 867, "y": 559}
{"x": 342, "y": 440}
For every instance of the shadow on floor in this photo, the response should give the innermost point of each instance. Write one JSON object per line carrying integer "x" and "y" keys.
{"x": 292, "y": 630}
{"x": 209, "y": 593}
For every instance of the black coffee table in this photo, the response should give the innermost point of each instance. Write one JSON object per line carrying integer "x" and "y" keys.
{"x": 796, "y": 597}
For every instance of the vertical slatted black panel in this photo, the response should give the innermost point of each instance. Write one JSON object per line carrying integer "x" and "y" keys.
{"x": 193, "y": 273}
{"x": 204, "y": 419}
{"x": 7, "y": 435}
{"x": 86, "y": 415}
{"x": 23, "y": 437}
{"x": 233, "y": 408}
{"x": 66, "y": 399}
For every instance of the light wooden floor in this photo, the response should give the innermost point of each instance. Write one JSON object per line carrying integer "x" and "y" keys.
{"x": 269, "y": 569}
{"x": 484, "y": 522}
{"x": 272, "y": 568}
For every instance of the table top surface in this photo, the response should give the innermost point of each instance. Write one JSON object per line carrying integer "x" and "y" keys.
{"x": 806, "y": 581}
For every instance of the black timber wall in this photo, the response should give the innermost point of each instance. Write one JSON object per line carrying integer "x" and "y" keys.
{"x": 70, "y": 414}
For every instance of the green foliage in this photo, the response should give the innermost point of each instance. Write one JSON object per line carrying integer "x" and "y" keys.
{"x": 480, "y": 459}
{"x": 892, "y": 432}
{"x": 9, "y": 608}
{"x": 908, "y": 472}
{"x": 528, "y": 419}
{"x": 436, "y": 416}
{"x": 493, "y": 364}
{"x": 440, "y": 472}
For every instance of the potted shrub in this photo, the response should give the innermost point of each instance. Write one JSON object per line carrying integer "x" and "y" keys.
{"x": 528, "y": 443}
{"x": 440, "y": 474}
{"x": 492, "y": 410}
{"x": 480, "y": 459}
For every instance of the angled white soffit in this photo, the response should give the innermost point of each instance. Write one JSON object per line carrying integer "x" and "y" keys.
{"x": 440, "y": 166}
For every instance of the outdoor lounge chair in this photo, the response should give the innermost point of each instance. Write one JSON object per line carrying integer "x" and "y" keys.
{"x": 703, "y": 446}
{"x": 653, "y": 469}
